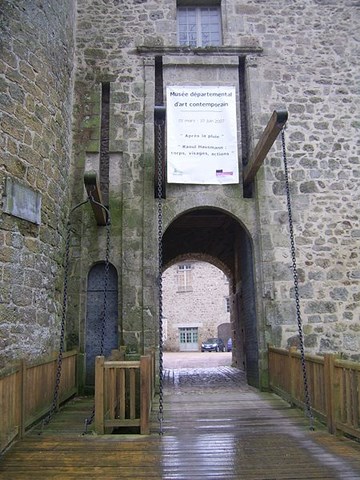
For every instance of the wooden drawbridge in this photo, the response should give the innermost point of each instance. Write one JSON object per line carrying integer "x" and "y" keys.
{"x": 215, "y": 427}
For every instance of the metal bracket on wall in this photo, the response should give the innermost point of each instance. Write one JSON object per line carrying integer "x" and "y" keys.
{"x": 92, "y": 187}
{"x": 268, "y": 137}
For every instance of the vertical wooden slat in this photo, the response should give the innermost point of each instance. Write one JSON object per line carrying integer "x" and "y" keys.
{"x": 111, "y": 389}
{"x": 152, "y": 373}
{"x": 144, "y": 395}
{"x": 355, "y": 399}
{"x": 342, "y": 396}
{"x": 22, "y": 398}
{"x": 293, "y": 372}
{"x": 117, "y": 391}
{"x": 99, "y": 396}
{"x": 329, "y": 392}
{"x": 132, "y": 393}
{"x": 55, "y": 371}
{"x": 316, "y": 385}
{"x": 337, "y": 393}
{"x": 348, "y": 397}
{"x": 122, "y": 394}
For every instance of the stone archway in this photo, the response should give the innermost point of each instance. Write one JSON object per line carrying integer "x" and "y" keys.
{"x": 211, "y": 233}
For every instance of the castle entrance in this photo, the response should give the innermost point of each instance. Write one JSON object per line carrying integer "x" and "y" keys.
{"x": 215, "y": 236}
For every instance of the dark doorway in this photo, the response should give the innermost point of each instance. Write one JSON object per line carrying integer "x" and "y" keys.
{"x": 210, "y": 232}
{"x": 94, "y": 316}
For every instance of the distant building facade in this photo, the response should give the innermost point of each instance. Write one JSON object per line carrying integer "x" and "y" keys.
{"x": 196, "y": 305}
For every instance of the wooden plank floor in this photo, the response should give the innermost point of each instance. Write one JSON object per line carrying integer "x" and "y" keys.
{"x": 215, "y": 427}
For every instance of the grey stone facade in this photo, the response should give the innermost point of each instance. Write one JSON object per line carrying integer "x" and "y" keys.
{"x": 201, "y": 304}
{"x": 297, "y": 55}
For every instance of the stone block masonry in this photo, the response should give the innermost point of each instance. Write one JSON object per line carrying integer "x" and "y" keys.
{"x": 314, "y": 76}
{"x": 36, "y": 69}
{"x": 308, "y": 66}
{"x": 297, "y": 55}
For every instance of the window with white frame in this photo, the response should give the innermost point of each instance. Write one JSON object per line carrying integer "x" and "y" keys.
{"x": 188, "y": 334}
{"x": 199, "y": 26}
{"x": 184, "y": 278}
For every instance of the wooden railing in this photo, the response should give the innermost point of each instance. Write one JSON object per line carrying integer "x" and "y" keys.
{"x": 124, "y": 392}
{"x": 334, "y": 387}
{"x": 26, "y": 393}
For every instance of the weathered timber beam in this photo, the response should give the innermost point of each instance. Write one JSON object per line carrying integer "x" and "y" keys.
{"x": 93, "y": 190}
{"x": 272, "y": 130}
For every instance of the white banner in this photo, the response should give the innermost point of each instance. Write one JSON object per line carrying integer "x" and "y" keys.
{"x": 201, "y": 135}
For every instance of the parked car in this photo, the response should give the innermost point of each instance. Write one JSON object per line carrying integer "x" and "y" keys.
{"x": 229, "y": 345}
{"x": 213, "y": 345}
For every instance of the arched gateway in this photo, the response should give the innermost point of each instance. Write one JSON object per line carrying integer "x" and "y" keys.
{"x": 216, "y": 236}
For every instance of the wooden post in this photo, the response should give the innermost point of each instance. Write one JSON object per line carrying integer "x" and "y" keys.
{"x": 99, "y": 396}
{"x": 93, "y": 190}
{"x": 144, "y": 395}
{"x": 268, "y": 137}
{"x": 329, "y": 392}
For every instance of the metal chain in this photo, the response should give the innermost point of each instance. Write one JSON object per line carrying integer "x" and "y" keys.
{"x": 106, "y": 283}
{"x": 55, "y": 401}
{"x": 159, "y": 125}
{"x": 296, "y": 286}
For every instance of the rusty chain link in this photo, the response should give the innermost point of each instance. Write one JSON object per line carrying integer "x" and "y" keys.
{"x": 159, "y": 124}
{"x": 55, "y": 401}
{"x": 296, "y": 285}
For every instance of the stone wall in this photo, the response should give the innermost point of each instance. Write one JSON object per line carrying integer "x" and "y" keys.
{"x": 309, "y": 66}
{"x": 36, "y": 68}
{"x": 202, "y": 306}
{"x": 299, "y": 55}
{"x": 107, "y": 36}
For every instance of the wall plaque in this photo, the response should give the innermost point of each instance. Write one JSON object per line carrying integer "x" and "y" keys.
{"x": 22, "y": 201}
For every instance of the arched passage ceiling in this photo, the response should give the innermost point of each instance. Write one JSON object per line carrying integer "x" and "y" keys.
{"x": 203, "y": 231}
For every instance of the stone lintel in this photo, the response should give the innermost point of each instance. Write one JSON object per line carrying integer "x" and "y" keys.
{"x": 240, "y": 51}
